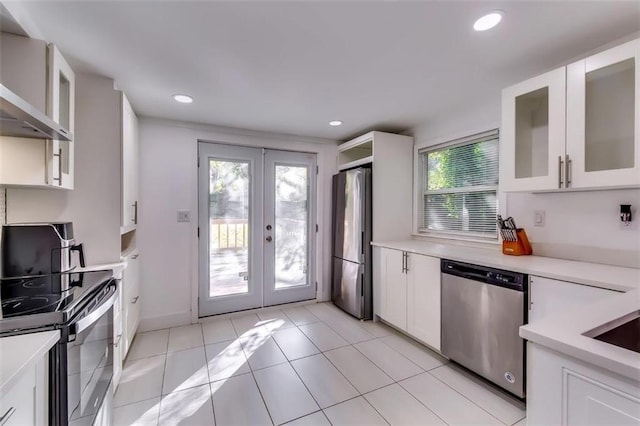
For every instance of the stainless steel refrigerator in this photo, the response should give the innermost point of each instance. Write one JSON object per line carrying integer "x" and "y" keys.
{"x": 351, "y": 284}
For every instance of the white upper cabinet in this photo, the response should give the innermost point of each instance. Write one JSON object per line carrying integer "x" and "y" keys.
{"x": 39, "y": 74}
{"x": 61, "y": 107}
{"x": 532, "y": 147}
{"x": 129, "y": 216}
{"x": 574, "y": 127}
{"x": 603, "y": 120}
{"x": 391, "y": 160}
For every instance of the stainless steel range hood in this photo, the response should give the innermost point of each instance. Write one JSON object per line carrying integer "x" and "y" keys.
{"x": 21, "y": 119}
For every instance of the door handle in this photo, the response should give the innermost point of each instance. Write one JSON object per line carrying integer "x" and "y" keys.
{"x": 269, "y": 239}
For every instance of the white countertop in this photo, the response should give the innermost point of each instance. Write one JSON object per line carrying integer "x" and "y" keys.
{"x": 562, "y": 332}
{"x": 117, "y": 268}
{"x": 20, "y": 352}
{"x": 593, "y": 274}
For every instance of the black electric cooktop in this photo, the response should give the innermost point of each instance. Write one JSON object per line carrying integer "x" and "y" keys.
{"x": 47, "y": 300}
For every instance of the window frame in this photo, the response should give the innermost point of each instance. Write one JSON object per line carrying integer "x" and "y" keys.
{"x": 422, "y": 191}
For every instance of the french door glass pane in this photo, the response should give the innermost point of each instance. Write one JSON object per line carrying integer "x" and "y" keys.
{"x": 229, "y": 212}
{"x": 291, "y": 201}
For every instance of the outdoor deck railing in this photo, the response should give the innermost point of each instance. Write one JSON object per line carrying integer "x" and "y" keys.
{"x": 229, "y": 233}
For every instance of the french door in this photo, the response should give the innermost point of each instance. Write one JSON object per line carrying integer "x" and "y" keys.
{"x": 256, "y": 227}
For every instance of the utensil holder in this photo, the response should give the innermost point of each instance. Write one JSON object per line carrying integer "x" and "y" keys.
{"x": 521, "y": 247}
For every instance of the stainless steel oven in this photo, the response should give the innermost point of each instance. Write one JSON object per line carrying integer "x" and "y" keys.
{"x": 82, "y": 363}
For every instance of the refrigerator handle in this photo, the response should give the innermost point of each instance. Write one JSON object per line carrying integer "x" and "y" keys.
{"x": 362, "y": 239}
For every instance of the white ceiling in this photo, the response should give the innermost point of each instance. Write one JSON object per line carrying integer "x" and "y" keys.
{"x": 291, "y": 67}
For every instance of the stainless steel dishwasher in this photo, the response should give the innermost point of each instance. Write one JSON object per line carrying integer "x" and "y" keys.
{"x": 482, "y": 309}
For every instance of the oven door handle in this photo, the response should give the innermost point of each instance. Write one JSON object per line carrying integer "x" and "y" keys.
{"x": 98, "y": 312}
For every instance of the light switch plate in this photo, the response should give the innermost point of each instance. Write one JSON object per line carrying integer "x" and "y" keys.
{"x": 538, "y": 217}
{"x": 184, "y": 216}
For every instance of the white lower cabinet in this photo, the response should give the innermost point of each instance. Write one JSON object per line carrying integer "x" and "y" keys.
{"x": 547, "y": 296}
{"x": 423, "y": 299}
{"x": 118, "y": 358}
{"x": 410, "y": 294}
{"x": 130, "y": 301}
{"x": 564, "y": 390}
{"x": 394, "y": 288}
{"x": 25, "y": 403}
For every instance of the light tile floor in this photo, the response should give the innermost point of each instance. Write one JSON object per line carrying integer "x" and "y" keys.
{"x": 311, "y": 365}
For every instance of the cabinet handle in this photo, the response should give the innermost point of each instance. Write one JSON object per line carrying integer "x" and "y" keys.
{"x": 135, "y": 213}
{"x": 135, "y": 300}
{"x": 60, "y": 166}
{"x": 406, "y": 263}
{"x": 5, "y": 418}
{"x": 567, "y": 173}
{"x": 560, "y": 163}
{"x": 117, "y": 342}
{"x": 59, "y": 155}
{"x": 403, "y": 253}
{"x": 135, "y": 256}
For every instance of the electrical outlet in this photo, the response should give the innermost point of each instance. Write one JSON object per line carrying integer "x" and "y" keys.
{"x": 538, "y": 217}
{"x": 184, "y": 216}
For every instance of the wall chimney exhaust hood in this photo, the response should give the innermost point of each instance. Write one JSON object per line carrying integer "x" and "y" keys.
{"x": 21, "y": 119}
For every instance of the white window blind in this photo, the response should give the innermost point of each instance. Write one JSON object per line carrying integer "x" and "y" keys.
{"x": 460, "y": 187}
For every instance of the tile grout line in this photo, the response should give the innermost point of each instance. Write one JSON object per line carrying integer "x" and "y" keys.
{"x": 465, "y": 397}
{"x": 206, "y": 366}
{"x": 254, "y": 376}
{"x": 374, "y": 363}
{"x": 164, "y": 370}
{"x": 323, "y": 353}
{"x": 294, "y": 370}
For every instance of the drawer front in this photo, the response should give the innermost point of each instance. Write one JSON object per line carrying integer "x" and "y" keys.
{"x": 18, "y": 404}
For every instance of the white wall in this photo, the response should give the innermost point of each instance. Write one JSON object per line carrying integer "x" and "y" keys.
{"x": 168, "y": 182}
{"x": 579, "y": 225}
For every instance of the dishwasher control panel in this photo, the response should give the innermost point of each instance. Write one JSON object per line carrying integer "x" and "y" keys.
{"x": 485, "y": 274}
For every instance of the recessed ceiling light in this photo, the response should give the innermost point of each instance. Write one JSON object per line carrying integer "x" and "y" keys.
{"x": 183, "y": 99}
{"x": 335, "y": 123}
{"x": 488, "y": 21}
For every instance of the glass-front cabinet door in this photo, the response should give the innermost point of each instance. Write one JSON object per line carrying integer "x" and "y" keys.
{"x": 61, "y": 107}
{"x": 603, "y": 118}
{"x": 532, "y": 153}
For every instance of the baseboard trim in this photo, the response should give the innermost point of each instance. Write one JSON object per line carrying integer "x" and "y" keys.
{"x": 174, "y": 319}
{"x": 256, "y": 310}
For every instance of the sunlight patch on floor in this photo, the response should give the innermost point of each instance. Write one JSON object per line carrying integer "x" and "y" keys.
{"x": 226, "y": 363}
